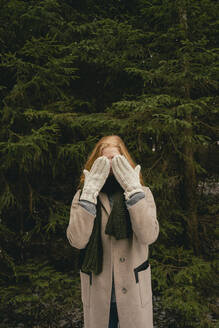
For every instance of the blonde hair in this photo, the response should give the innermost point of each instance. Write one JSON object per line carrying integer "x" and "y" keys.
{"x": 105, "y": 142}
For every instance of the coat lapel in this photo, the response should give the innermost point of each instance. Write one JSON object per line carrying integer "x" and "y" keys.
{"x": 105, "y": 202}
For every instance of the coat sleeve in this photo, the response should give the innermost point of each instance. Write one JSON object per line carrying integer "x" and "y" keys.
{"x": 80, "y": 224}
{"x": 143, "y": 217}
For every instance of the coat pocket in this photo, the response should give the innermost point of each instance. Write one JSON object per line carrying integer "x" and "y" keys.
{"x": 143, "y": 279}
{"x": 86, "y": 279}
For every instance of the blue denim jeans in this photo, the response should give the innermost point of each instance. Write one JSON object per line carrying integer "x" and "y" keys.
{"x": 113, "y": 318}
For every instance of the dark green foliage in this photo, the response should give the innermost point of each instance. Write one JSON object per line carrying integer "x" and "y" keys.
{"x": 71, "y": 72}
{"x": 38, "y": 293}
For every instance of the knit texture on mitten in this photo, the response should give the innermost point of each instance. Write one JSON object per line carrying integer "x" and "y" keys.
{"x": 118, "y": 225}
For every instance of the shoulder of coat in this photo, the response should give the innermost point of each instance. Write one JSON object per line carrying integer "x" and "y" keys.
{"x": 76, "y": 196}
{"x": 78, "y": 192}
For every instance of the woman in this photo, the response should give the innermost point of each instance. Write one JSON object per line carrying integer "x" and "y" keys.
{"x": 113, "y": 220}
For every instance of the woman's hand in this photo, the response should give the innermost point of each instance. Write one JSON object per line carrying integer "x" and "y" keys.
{"x": 95, "y": 179}
{"x": 126, "y": 175}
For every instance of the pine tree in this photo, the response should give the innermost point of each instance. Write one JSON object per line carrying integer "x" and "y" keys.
{"x": 72, "y": 72}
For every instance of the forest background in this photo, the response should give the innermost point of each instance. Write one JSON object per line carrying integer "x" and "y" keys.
{"x": 70, "y": 73}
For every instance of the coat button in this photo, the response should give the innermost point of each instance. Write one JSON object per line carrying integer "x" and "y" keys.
{"x": 124, "y": 290}
{"x": 122, "y": 259}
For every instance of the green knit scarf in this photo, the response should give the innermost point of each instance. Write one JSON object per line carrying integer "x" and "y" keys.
{"x": 118, "y": 225}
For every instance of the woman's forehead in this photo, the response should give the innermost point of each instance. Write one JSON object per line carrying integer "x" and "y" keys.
{"x": 110, "y": 150}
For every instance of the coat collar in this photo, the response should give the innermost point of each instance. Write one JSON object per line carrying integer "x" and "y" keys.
{"x": 105, "y": 202}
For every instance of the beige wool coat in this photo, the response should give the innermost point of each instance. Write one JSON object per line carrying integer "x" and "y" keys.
{"x": 126, "y": 258}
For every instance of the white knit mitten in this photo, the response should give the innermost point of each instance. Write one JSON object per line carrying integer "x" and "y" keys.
{"x": 127, "y": 177}
{"x": 95, "y": 179}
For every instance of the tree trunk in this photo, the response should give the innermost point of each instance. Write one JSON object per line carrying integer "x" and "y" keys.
{"x": 190, "y": 184}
